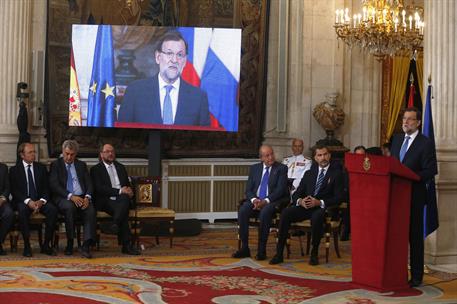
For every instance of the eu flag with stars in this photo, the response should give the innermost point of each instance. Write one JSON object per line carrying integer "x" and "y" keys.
{"x": 430, "y": 209}
{"x": 101, "y": 98}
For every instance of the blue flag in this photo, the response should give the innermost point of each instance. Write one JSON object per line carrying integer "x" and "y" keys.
{"x": 430, "y": 209}
{"x": 101, "y": 99}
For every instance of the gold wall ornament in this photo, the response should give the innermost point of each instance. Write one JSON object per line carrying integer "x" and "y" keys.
{"x": 366, "y": 164}
{"x": 144, "y": 193}
{"x": 383, "y": 28}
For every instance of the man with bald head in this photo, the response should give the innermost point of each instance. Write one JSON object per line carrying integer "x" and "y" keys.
{"x": 297, "y": 164}
{"x": 113, "y": 194}
{"x": 266, "y": 190}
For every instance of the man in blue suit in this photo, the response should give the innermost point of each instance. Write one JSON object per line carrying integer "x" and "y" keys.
{"x": 166, "y": 98}
{"x": 266, "y": 191}
{"x": 416, "y": 152}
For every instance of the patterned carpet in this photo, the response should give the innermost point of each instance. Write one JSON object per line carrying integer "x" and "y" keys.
{"x": 198, "y": 270}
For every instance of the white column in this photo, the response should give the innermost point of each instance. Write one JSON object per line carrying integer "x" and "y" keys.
{"x": 15, "y": 67}
{"x": 440, "y": 53}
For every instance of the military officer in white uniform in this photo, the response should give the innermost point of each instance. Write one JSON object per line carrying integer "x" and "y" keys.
{"x": 297, "y": 164}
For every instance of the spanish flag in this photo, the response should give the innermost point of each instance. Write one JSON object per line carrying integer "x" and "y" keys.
{"x": 74, "y": 116}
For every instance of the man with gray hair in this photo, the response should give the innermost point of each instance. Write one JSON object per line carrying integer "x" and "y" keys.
{"x": 71, "y": 188}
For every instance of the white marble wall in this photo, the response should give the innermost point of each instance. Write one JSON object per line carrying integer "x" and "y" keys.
{"x": 440, "y": 50}
{"x": 23, "y": 29}
{"x": 317, "y": 64}
{"x": 14, "y": 61}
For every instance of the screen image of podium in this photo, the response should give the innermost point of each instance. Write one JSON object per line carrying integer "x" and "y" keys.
{"x": 380, "y": 197}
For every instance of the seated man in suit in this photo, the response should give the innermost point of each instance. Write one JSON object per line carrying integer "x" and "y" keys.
{"x": 6, "y": 212}
{"x": 320, "y": 188}
{"x": 30, "y": 190}
{"x": 266, "y": 189}
{"x": 166, "y": 98}
{"x": 297, "y": 164}
{"x": 113, "y": 194}
{"x": 72, "y": 192}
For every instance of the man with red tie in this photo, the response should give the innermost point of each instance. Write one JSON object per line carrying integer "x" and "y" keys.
{"x": 266, "y": 190}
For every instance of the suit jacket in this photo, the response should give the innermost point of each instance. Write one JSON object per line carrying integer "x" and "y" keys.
{"x": 277, "y": 182}
{"x": 4, "y": 181}
{"x": 421, "y": 159}
{"x": 58, "y": 178}
{"x": 332, "y": 188}
{"x": 102, "y": 183}
{"x": 141, "y": 104}
{"x": 18, "y": 181}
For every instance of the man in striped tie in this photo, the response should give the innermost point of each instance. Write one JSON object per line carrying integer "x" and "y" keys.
{"x": 320, "y": 188}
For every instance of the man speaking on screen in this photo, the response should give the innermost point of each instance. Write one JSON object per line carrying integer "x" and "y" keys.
{"x": 166, "y": 98}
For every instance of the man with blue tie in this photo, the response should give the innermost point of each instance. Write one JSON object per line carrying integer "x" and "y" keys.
{"x": 30, "y": 191}
{"x": 415, "y": 151}
{"x": 320, "y": 188}
{"x": 71, "y": 188}
{"x": 166, "y": 98}
{"x": 266, "y": 191}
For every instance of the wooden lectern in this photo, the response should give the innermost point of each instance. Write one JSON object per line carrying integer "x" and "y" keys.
{"x": 380, "y": 198}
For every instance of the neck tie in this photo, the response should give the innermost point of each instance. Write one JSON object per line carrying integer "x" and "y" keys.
{"x": 32, "y": 190}
{"x": 404, "y": 148}
{"x": 111, "y": 176}
{"x": 320, "y": 179}
{"x": 264, "y": 184}
{"x": 69, "y": 179}
{"x": 167, "y": 108}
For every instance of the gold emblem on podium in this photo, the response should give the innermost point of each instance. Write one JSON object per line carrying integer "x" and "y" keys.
{"x": 366, "y": 164}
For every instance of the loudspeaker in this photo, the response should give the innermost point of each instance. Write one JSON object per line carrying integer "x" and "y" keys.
{"x": 37, "y": 98}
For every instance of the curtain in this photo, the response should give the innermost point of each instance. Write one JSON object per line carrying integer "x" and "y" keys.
{"x": 400, "y": 68}
{"x": 420, "y": 75}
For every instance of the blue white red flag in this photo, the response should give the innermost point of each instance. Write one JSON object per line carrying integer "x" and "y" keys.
{"x": 214, "y": 66}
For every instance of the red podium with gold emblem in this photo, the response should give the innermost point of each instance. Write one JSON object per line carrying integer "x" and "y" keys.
{"x": 380, "y": 197}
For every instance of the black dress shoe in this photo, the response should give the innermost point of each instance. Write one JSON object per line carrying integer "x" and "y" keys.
{"x": 261, "y": 257}
{"x": 2, "y": 252}
{"x": 27, "y": 252}
{"x": 242, "y": 253}
{"x": 85, "y": 252}
{"x": 277, "y": 259}
{"x": 48, "y": 250}
{"x": 313, "y": 260}
{"x": 414, "y": 283}
{"x": 344, "y": 238}
{"x": 68, "y": 250}
{"x": 130, "y": 250}
{"x": 114, "y": 228}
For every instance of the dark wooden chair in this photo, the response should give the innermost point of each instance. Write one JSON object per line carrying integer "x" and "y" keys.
{"x": 332, "y": 226}
{"x": 254, "y": 221}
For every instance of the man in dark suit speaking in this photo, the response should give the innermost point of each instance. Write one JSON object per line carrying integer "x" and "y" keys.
{"x": 166, "y": 98}
{"x": 416, "y": 152}
{"x": 266, "y": 189}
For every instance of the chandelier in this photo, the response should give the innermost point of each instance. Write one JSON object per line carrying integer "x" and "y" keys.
{"x": 383, "y": 28}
